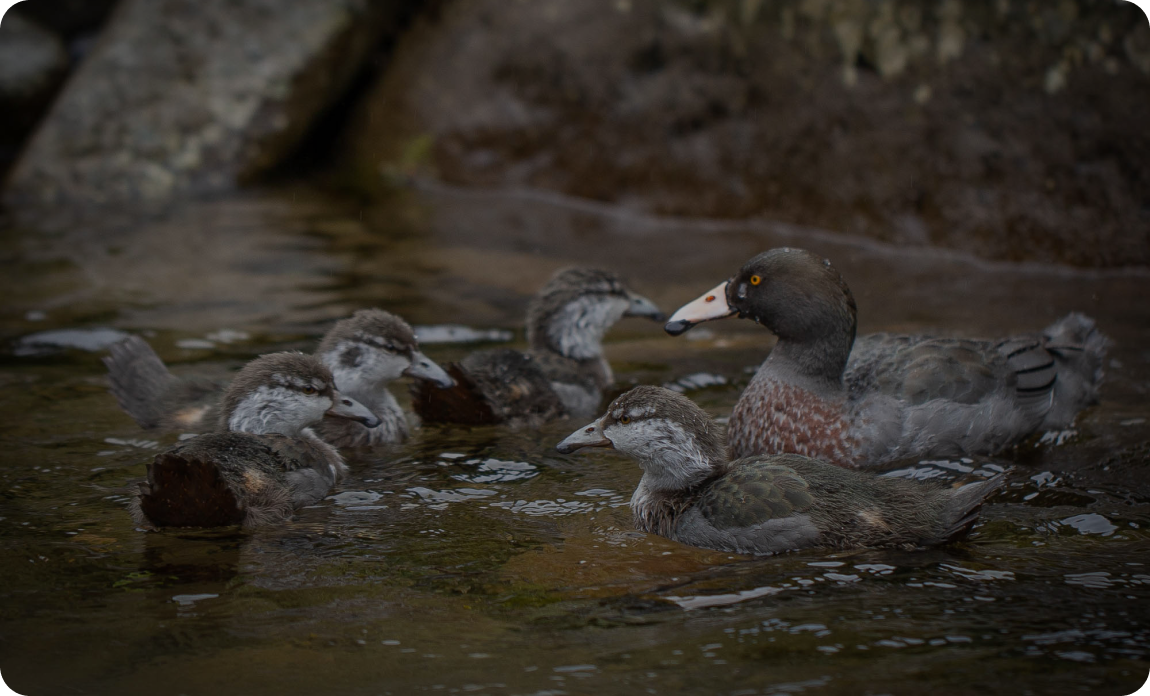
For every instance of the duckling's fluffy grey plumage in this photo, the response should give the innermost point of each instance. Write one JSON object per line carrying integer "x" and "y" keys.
{"x": 692, "y": 493}
{"x": 264, "y": 462}
{"x": 562, "y": 373}
{"x": 364, "y": 352}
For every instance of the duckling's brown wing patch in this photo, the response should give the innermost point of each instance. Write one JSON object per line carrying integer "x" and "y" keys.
{"x": 754, "y": 493}
{"x": 293, "y": 453}
{"x": 492, "y": 386}
{"x": 514, "y": 385}
{"x": 215, "y": 480}
{"x": 187, "y": 492}
{"x": 461, "y": 403}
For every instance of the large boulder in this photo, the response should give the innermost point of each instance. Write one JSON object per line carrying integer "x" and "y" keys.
{"x": 67, "y": 18}
{"x": 33, "y": 63}
{"x": 184, "y": 97}
{"x": 1016, "y": 130}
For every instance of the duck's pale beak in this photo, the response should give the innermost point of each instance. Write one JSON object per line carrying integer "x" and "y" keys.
{"x": 710, "y": 305}
{"x": 642, "y": 307}
{"x": 347, "y": 407}
{"x": 590, "y": 435}
{"x": 423, "y": 367}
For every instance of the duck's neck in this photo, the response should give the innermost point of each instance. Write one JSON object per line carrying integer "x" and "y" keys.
{"x": 675, "y": 466}
{"x": 814, "y": 361}
{"x": 657, "y": 510}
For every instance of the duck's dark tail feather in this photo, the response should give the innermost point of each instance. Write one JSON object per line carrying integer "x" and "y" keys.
{"x": 1079, "y": 350}
{"x": 964, "y": 506}
{"x": 139, "y": 380}
{"x": 185, "y": 492}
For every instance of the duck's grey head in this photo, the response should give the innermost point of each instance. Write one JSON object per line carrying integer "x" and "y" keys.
{"x": 796, "y": 294}
{"x": 285, "y": 393}
{"x": 575, "y": 308}
{"x": 673, "y": 440}
{"x": 373, "y": 347}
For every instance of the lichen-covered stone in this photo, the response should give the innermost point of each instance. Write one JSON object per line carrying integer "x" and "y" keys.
{"x": 1012, "y": 129}
{"x": 181, "y": 97}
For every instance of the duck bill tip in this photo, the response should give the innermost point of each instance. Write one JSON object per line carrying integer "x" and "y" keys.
{"x": 642, "y": 307}
{"x": 710, "y": 305}
{"x": 585, "y": 437}
{"x": 423, "y": 368}
{"x": 350, "y": 409}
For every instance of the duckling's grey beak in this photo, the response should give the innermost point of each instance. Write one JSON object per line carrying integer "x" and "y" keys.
{"x": 590, "y": 435}
{"x": 642, "y": 307}
{"x": 423, "y": 367}
{"x": 347, "y": 407}
{"x": 710, "y": 305}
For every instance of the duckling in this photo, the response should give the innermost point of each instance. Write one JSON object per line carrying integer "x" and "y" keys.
{"x": 885, "y": 397}
{"x": 692, "y": 493}
{"x": 365, "y": 352}
{"x": 562, "y": 373}
{"x": 264, "y": 461}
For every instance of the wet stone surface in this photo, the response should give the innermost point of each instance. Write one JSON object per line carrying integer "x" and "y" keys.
{"x": 481, "y": 560}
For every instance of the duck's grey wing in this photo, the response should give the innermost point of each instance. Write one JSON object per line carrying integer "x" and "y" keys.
{"x": 757, "y": 508}
{"x": 153, "y": 396}
{"x": 918, "y": 369}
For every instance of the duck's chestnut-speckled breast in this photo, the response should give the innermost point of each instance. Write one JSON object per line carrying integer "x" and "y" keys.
{"x": 776, "y": 418}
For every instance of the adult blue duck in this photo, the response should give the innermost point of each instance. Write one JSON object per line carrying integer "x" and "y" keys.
{"x": 883, "y": 397}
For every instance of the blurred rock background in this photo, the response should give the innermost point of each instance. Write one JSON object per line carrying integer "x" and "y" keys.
{"x": 1014, "y": 129}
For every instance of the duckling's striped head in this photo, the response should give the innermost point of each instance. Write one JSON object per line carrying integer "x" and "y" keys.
{"x": 575, "y": 308}
{"x": 373, "y": 347}
{"x": 284, "y": 393}
{"x": 675, "y": 442}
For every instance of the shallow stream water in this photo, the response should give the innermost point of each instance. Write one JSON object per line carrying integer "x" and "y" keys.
{"x": 481, "y": 560}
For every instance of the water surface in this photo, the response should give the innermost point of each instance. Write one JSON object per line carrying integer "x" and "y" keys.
{"x": 480, "y": 560}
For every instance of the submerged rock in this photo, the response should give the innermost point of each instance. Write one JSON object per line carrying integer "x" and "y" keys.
{"x": 1014, "y": 130}
{"x": 182, "y": 97}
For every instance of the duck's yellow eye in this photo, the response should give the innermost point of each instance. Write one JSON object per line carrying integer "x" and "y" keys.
{"x": 309, "y": 390}
{"x": 755, "y": 280}
{"x": 625, "y": 419}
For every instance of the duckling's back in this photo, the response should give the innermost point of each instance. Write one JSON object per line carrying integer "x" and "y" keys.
{"x": 491, "y": 386}
{"x": 216, "y": 480}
